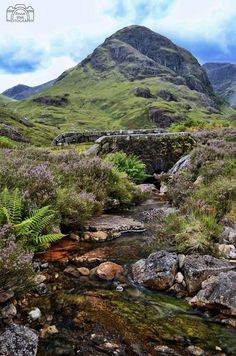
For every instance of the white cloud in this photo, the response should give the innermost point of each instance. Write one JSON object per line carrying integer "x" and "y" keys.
{"x": 42, "y": 75}
{"x": 65, "y": 32}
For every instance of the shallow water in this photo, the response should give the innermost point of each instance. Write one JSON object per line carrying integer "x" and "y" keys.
{"x": 136, "y": 319}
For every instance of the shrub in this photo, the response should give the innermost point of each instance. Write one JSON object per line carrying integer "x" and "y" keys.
{"x": 17, "y": 274}
{"x": 129, "y": 164}
{"x": 31, "y": 229}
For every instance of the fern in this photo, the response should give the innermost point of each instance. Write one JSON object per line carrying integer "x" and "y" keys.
{"x": 30, "y": 229}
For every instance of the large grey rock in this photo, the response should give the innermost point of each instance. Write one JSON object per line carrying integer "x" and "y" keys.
{"x": 183, "y": 163}
{"x": 218, "y": 293}
{"x": 18, "y": 340}
{"x": 198, "y": 268}
{"x": 158, "y": 271}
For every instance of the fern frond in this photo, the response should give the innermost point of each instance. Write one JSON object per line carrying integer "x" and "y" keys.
{"x": 46, "y": 239}
{"x": 11, "y": 206}
{"x": 35, "y": 223}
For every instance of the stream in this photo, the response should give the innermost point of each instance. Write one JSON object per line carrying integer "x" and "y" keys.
{"x": 94, "y": 317}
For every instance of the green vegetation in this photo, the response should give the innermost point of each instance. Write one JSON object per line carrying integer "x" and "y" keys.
{"x": 29, "y": 229}
{"x": 205, "y": 193}
{"x": 129, "y": 164}
{"x": 106, "y": 100}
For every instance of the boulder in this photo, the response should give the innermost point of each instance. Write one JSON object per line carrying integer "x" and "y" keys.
{"x": 92, "y": 258}
{"x": 163, "y": 118}
{"x": 167, "y": 95}
{"x": 198, "y": 268}
{"x": 158, "y": 271}
{"x": 228, "y": 251}
{"x": 109, "y": 270}
{"x": 218, "y": 293}
{"x": 8, "y": 312}
{"x": 182, "y": 163}
{"x": 143, "y": 92}
{"x": 5, "y": 296}
{"x": 18, "y": 340}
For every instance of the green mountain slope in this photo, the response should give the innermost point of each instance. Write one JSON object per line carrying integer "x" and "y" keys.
{"x": 135, "y": 79}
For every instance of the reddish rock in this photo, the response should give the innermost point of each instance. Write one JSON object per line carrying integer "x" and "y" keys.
{"x": 109, "y": 270}
{"x": 92, "y": 258}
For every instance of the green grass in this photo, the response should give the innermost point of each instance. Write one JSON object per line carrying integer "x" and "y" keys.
{"x": 105, "y": 100}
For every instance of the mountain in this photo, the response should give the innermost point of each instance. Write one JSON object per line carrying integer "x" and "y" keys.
{"x": 135, "y": 79}
{"x": 137, "y": 52}
{"x": 21, "y": 91}
{"x": 223, "y": 78}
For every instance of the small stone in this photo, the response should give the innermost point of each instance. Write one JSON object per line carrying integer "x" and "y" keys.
{"x": 98, "y": 236}
{"x": 218, "y": 348}
{"x": 119, "y": 288}
{"x": 179, "y": 278}
{"x": 35, "y": 314}
{"x": 56, "y": 275}
{"x": 84, "y": 271}
{"x": 72, "y": 271}
{"x": 181, "y": 259}
{"x": 9, "y": 311}
{"x": 40, "y": 278}
{"x": 195, "y": 351}
{"x": 52, "y": 329}
{"x": 42, "y": 288}
{"x": 44, "y": 265}
{"x": 163, "y": 188}
{"x": 5, "y": 296}
{"x": 74, "y": 237}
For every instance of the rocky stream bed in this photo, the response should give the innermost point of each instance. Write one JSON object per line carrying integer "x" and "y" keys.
{"x": 94, "y": 298}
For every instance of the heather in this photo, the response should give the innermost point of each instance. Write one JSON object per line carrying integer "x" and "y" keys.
{"x": 205, "y": 195}
{"x": 75, "y": 185}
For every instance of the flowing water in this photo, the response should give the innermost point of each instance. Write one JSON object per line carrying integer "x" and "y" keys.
{"x": 94, "y": 318}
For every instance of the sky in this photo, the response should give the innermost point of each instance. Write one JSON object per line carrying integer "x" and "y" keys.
{"x": 65, "y": 32}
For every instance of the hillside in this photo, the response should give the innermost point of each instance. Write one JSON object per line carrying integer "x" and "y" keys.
{"x": 21, "y": 91}
{"x": 223, "y": 80}
{"x": 135, "y": 79}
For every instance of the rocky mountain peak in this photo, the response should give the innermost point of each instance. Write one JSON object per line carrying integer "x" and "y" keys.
{"x": 138, "y": 52}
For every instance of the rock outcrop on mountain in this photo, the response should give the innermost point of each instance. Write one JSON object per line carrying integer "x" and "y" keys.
{"x": 21, "y": 91}
{"x": 223, "y": 79}
{"x": 137, "y": 52}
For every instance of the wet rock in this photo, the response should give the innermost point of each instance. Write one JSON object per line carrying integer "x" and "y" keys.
{"x": 18, "y": 340}
{"x": 96, "y": 236}
{"x": 92, "y": 258}
{"x": 5, "y": 296}
{"x": 114, "y": 225}
{"x": 162, "y": 350}
{"x": 158, "y": 271}
{"x": 198, "y": 268}
{"x": 218, "y": 293}
{"x": 84, "y": 271}
{"x": 8, "y": 312}
{"x": 72, "y": 271}
{"x": 195, "y": 351}
{"x": 35, "y": 314}
{"x": 109, "y": 270}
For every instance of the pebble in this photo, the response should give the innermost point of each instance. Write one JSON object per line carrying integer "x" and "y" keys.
{"x": 119, "y": 289}
{"x": 35, "y": 314}
{"x": 9, "y": 311}
{"x": 52, "y": 329}
{"x": 179, "y": 277}
{"x": 84, "y": 271}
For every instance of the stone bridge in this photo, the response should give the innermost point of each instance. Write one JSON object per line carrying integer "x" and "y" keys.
{"x": 158, "y": 150}
{"x": 74, "y": 137}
